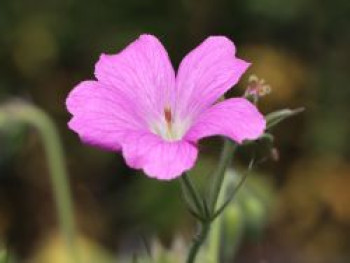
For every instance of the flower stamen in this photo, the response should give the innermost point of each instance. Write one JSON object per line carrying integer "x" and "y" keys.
{"x": 167, "y": 115}
{"x": 168, "y": 119}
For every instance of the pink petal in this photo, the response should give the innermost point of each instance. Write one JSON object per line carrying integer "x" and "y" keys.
{"x": 163, "y": 160}
{"x": 206, "y": 73}
{"x": 101, "y": 115}
{"x": 235, "y": 118}
{"x": 143, "y": 73}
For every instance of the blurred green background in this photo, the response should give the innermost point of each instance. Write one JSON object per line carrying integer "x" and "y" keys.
{"x": 300, "y": 47}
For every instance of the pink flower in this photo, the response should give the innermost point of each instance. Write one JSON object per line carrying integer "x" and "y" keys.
{"x": 139, "y": 107}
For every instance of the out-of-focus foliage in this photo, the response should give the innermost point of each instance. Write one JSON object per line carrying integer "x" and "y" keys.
{"x": 319, "y": 215}
{"x": 300, "y": 47}
{"x": 12, "y": 139}
{"x": 3, "y": 256}
{"x": 54, "y": 250}
{"x": 176, "y": 253}
{"x": 248, "y": 213}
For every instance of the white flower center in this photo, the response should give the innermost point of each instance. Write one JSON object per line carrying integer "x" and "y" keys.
{"x": 169, "y": 128}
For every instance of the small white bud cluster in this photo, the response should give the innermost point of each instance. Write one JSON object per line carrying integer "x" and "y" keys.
{"x": 257, "y": 88}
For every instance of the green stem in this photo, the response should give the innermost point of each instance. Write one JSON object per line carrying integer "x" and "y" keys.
{"x": 218, "y": 176}
{"x": 33, "y": 116}
{"x": 190, "y": 192}
{"x": 198, "y": 241}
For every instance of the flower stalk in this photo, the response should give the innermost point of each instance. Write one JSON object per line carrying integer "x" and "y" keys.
{"x": 198, "y": 241}
{"x": 191, "y": 195}
{"x": 218, "y": 176}
{"x": 207, "y": 212}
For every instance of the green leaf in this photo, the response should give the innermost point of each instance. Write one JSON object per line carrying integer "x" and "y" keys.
{"x": 273, "y": 118}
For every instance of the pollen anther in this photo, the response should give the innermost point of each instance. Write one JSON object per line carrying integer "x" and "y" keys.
{"x": 167, "y": 115}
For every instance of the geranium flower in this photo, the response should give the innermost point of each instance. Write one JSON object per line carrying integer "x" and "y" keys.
{"x": 139, "y": 107}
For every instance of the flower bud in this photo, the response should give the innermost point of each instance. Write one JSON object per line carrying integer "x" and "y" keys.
{"x": 256, "y": 88}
